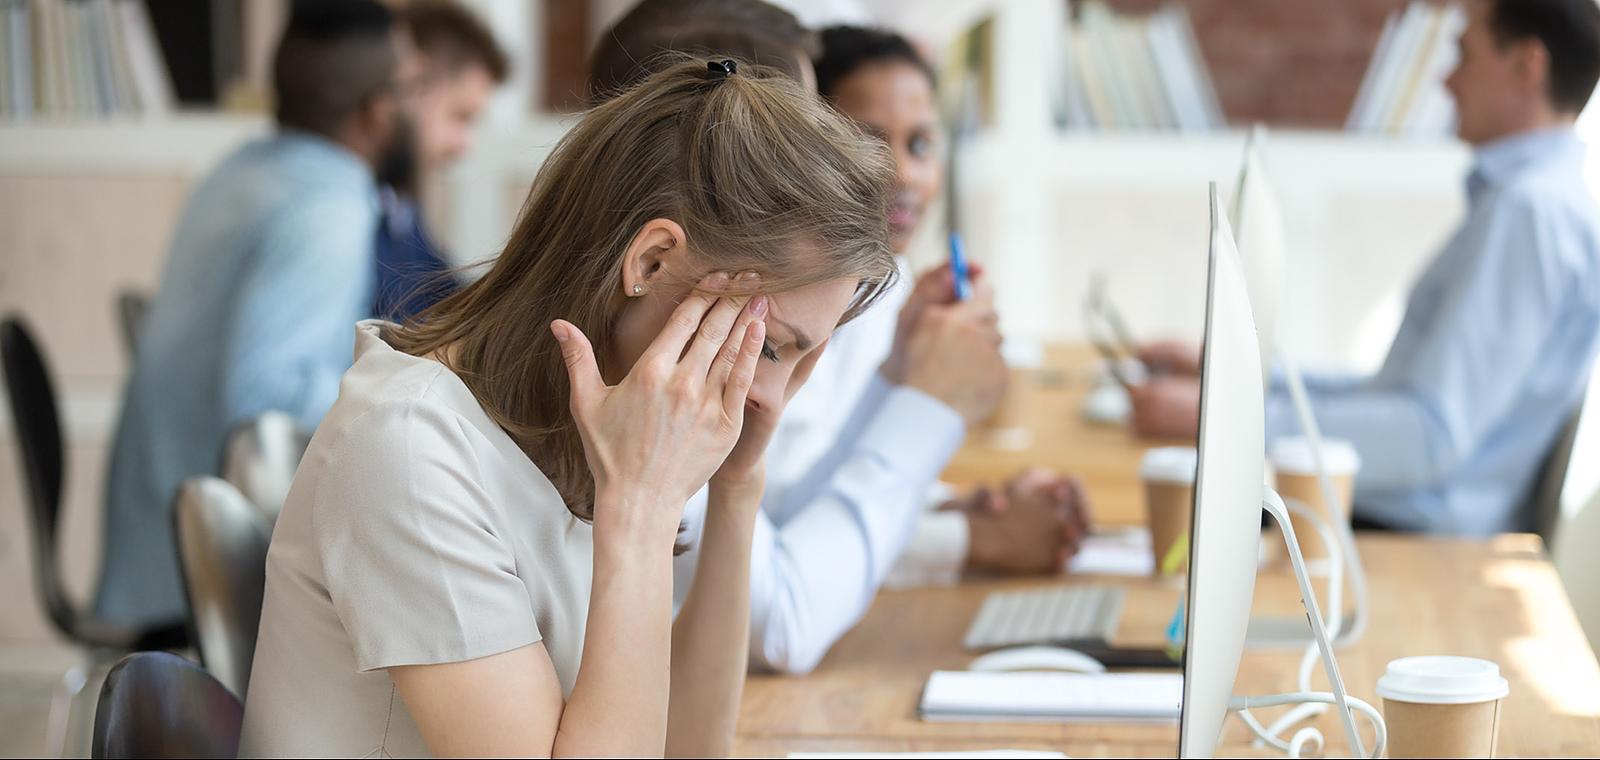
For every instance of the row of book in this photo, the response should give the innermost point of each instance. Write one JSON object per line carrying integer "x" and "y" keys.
{"x": 1141, "y": 72}
{"x": 80, "y": 59}
{"x": 1403, "y": 92}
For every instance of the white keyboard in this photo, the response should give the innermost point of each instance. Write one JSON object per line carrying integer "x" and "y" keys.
{"x": 1056, "y": 615}
{"x": 967, "y": 696}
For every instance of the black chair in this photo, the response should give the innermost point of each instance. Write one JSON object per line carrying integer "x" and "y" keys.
{"x": 132, "y": 306}
{"x": 33, "y": 410}
{"x": 157, "y": 704}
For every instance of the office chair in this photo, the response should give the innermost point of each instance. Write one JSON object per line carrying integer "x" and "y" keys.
{"x": 157, "y": 704}
{"x": 222, "y": 554}
{"x": 42, "y": 453}
{"x": 132, "y": 306}
{"x": 260, "y": 458}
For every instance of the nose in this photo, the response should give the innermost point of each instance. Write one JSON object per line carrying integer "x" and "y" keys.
{"x": 766, "y": 393}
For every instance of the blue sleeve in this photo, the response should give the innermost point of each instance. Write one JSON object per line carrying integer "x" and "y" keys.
{"x": 310, "y": 281}
{"x": 1420, "y": 417}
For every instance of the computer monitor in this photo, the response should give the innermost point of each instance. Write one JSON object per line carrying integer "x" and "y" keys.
{"x": 1257, "y": 219}
{"x": 1225, "y": 531}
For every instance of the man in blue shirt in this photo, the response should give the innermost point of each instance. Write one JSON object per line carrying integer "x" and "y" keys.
{"x": 1501, "y": 330}
{"x": 267, "y": 274}
{"x": 459, "y": 66}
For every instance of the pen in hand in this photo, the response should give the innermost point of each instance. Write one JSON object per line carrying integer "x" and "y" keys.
{"x": 958, "y": 268}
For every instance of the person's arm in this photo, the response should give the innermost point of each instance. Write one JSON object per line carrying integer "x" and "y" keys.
{"x": 814, "y": 575}
{"x": 1441, "y": 392}
{"x": 709, "y": 660}
{"x": 308, "y": 283}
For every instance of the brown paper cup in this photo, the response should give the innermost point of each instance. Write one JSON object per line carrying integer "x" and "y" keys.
{"x": 1168, "y": 506}
{"x": 1442, "y": 706}
{"x": 1424, "y": 730}
{"x": 1306, "y": 490}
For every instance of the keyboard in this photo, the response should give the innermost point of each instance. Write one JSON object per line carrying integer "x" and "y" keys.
{"x": 1056, "y": 615}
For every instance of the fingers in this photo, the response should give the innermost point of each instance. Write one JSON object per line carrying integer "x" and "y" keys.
{"x": 583, "y": 373}
{"x": 744, "y": 370}
{"x": 685, "y": 320}
{"x": 732, "y": 348}
{"x": 719, "y": 325}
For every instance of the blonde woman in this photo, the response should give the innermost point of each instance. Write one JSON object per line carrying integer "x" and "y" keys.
{"x": 475, "y": 558}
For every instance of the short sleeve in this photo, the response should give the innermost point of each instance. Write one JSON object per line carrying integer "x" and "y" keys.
{"x": 415, "y": 562}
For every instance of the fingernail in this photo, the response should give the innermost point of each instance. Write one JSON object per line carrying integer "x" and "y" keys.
{"x": 749, "y": 276}
{"x": 758, "y": 307}
{"x": 560, "y": 331}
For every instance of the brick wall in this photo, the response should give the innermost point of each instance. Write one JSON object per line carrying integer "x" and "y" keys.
{"x": 1284, "y": 62}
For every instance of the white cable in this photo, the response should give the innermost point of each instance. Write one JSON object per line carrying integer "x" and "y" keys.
{"x": 1374, "y": 718}
{"x": 1347, "y": 538}
{"x": 1308, "y": 661}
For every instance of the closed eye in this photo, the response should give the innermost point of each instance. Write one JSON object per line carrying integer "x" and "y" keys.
{"x": 769, "y": 353}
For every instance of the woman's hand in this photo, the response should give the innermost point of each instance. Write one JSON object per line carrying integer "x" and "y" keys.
{"x": 655, "y": 438}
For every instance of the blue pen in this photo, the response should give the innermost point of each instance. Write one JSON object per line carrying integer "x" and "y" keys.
{"x": 958, "y": 267}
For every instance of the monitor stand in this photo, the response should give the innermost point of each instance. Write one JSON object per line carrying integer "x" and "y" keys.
{"x": 1347, "y": 626}
{"x": 1274, "y": 506}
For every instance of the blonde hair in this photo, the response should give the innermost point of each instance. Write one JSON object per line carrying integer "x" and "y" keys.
{"x": 760, "y": 174}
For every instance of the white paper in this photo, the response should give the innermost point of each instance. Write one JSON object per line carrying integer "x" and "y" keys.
{"x": 1124, "y": 552}
{"x": 1020, "y": 754}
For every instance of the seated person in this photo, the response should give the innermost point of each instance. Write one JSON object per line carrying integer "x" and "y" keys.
{"x": 1502, "y": 328}
{"x": 460, "y": 65}
{"x": 891, "y": 400}
{"x": 475, "y": 558}
{"x": 269, "y": 268}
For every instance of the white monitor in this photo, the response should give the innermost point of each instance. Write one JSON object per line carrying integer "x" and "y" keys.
{"x": 1257, "y": 220}
{"x": 1225, "y": 531}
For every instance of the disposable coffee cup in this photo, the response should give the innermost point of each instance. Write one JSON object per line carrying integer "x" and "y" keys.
{"x": 1296, "y": 479}
{"x": 1168, "y": 476}
{"x": 1442, "y": 706}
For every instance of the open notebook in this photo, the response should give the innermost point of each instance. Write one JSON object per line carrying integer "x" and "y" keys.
{"x": 959, "y": 695}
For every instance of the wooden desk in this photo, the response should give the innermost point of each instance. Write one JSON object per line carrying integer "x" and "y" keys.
{"x": 1496, "y": 599}
{"x": 1041, "y": 424}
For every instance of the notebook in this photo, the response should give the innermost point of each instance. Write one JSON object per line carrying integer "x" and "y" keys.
{"x": 966, "y": 696}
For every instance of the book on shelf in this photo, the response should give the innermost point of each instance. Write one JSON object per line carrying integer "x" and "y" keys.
{"x": 1403, "y": 93}
{"x": 65, "y": 59}
{"x": 1134, "y": 72}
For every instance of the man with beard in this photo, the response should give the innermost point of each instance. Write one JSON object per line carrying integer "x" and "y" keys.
{"x": 460, "y": 65}
{"x": 269, "y": 269}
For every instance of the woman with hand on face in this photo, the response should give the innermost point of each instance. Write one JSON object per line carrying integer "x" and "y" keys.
{"x": 475, "y": 557}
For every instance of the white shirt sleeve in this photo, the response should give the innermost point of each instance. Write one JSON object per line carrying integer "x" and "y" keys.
{"x": 813, "y": 576}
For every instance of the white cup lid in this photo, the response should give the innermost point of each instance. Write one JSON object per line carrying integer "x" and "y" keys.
{"x": 1293, "y": 454}
{"x": 1169, "y": 464}
{"x": 1442, "y": 681}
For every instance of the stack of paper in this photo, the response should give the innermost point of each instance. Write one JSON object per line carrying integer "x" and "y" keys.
{"x": 1135, "y": 72}
{"x": 1403, "y": 92}
{"x": 958, "y": 695}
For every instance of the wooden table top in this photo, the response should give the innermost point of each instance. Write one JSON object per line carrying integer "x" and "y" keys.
{"x": 1497, "y": 599}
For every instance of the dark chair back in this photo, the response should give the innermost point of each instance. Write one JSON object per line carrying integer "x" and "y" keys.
{"x": 222, "y": 551}
{"x": 39, "y": 441}
{"x": 159, "y": 705}
{"x": 33, "y": 412}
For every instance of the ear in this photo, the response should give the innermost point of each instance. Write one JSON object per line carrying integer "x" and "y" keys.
{"x": 1533, "y": 64}
{"x": 659, "y": 247}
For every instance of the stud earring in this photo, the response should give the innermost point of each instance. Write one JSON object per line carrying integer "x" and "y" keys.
{"x": 638, "y": 290}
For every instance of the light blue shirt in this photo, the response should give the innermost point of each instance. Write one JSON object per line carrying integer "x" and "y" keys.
{"x": 267, "y": 274}
{"x": 1491, "y": 358}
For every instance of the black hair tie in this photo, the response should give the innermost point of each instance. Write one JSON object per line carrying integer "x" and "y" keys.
{"x": 721, "y": 69}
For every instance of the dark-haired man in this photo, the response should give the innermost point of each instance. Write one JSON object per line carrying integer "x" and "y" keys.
{"x": 459, "y": 66}
{"x": 268, "y": 271}
{"x": 1501, "y": 330}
